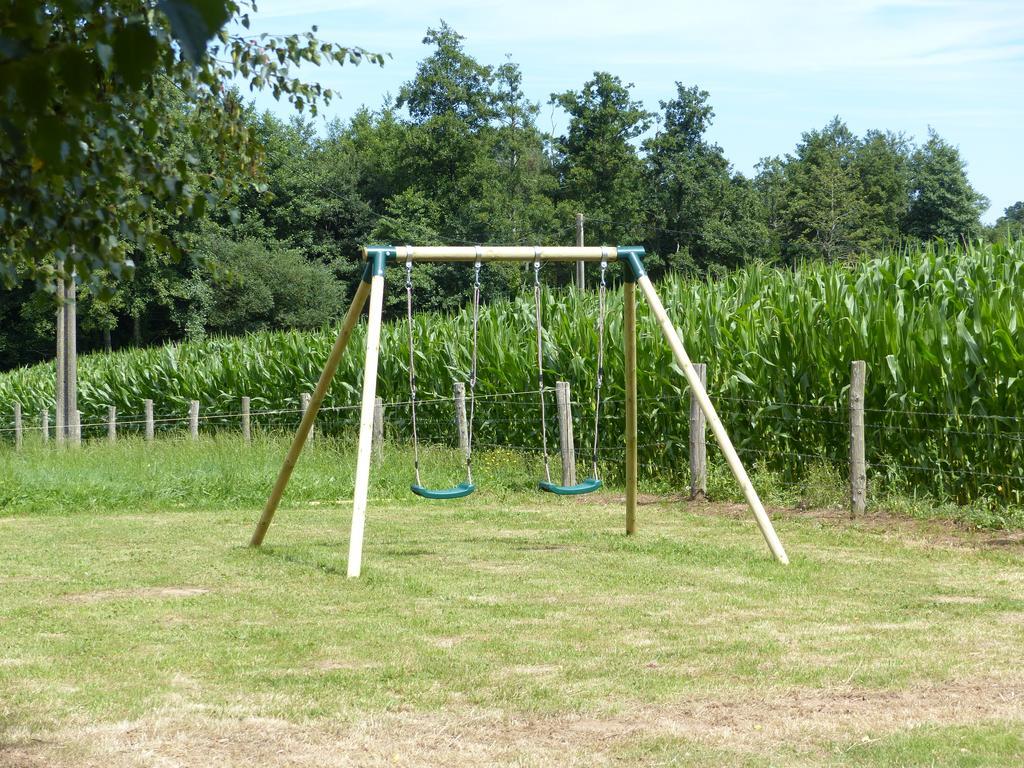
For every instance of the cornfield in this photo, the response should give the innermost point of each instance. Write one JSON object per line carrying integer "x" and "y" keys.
{"x": 937, "y": 327}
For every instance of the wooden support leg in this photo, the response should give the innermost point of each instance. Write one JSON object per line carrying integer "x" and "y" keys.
{"x": 629, "y": 331}
{"x": 683, "y": 360}
{"x": 362, "y": 486}
{"x": 299, "y": 441}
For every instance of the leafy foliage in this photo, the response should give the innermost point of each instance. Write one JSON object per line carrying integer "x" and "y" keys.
{"x": 256, "y": 287}
{"x": 598, "y": 166}
{"x": 703, "y": 215}
{"x": 92, "y": 94}
{"x": 1010, "y": 225}
{"x": 943, "y": 202}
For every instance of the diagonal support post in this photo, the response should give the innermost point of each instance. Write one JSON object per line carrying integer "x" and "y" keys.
{"x": 324, "y": 383}
{"x": 733, "y": 459}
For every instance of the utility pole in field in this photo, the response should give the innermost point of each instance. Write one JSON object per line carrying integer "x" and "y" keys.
{"x": 67, "y": 425}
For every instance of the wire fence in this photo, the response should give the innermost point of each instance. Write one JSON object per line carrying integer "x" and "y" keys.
{"x": 962, "y": 456}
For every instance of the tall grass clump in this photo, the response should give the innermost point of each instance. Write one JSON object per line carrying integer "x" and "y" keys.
{"x": 937, "y": 325}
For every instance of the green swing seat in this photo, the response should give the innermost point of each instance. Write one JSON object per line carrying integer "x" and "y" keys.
{"x": 589, "y": 485}
{"x": 457, "y": 492}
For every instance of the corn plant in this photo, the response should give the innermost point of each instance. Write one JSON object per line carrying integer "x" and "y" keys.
{"x": 938, "y": 327}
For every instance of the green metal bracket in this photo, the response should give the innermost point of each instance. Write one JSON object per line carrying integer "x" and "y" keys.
{"x": 632, "y": 255}
{"x": 377, "y": 258}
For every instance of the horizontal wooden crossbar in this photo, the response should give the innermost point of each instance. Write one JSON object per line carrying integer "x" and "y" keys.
{"x": 401, "y": 253}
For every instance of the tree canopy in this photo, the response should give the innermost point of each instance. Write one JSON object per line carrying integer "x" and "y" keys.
{"x": 942, "y": 202}
{"x": 96, "y": 97}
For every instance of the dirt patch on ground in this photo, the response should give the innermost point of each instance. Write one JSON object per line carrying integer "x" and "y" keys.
{"x": 764, "y": 724}
{"x": 135, "y": 593}
{"x": 1006, "y": 540}
{"x": 959, "y": 599}
{"x": 936, "y": 531}
{"x": 331, "y": 665}
{"x": 642, "y": 499}
{"x": 446, "y": 642}
{"x": 932, "y": 532}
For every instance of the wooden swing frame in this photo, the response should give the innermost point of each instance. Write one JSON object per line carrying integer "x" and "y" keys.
{"x": 372, "y": 286}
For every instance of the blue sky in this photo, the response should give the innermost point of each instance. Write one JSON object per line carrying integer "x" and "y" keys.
{"x": 773, "y": 70}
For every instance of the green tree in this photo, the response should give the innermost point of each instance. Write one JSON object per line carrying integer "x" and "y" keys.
{"x": 26, "y": 326}
{"x": 451, "y": 103}
{"x": 600, "y": 170}
{"x": 739, "y": 232}
{"x": 770, "y": 184}
{"x": 256, "y": 285}
{"x": 517, "y": 198}
{"x": 83, "y": 88}
{"x": 823, "y": 212}
{"x": 702, "y": 214}
{"x": 1010, "y": 225}
{"x": 942, "y": 203}
{"x": 313, "y": 203}
{"x": 449, "y": 82}
{"x": 688, "y": 175}
{"x": 882, "y": 161}
{"x": 466, "y": 166}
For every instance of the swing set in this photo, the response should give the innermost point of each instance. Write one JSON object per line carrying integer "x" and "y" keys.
{"x": 371, "y": 286}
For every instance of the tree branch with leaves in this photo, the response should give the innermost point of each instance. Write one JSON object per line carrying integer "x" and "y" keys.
{"x": 92, "y": 90}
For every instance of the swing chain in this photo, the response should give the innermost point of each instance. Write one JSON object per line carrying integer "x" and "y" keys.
{"x": 473, "y": 367}
{"x": 412, "y": 367}
{"x": 540, "y": 363}
{"x": 601, "y": 300}
{"x": 476, "y": 319}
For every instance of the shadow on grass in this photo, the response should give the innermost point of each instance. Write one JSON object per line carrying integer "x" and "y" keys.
{"x": 285, "y": 556}
{"x": 308, "y": 560}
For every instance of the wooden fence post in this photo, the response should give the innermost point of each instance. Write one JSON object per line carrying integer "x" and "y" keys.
{"x": 378, "y": 427}
{"x": 304, "y": 404}
{"x": 698, "y": 443}
{"x": 18, "y": 428}
{"x": 112, "y": 423}
{"x": 148, "y": 405}
{"x": 44, "y": 424}
{"x": 461, "y": 424}
{"x": 566, "y": 442}
{"x": 246, "y": 421}
{"x": 76, "y": 436}
{"x": 193, "y": 419}
{"x": 858, "y": 469}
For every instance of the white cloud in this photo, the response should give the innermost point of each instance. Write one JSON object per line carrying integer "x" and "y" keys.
{"x": 799, "y": 36}
{"x": 773, "y": 68}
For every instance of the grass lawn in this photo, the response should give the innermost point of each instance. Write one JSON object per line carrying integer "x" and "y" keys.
{"x": 509, "y": 628}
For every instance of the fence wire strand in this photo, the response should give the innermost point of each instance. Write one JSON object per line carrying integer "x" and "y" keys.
{"x": 671, "y": 450}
